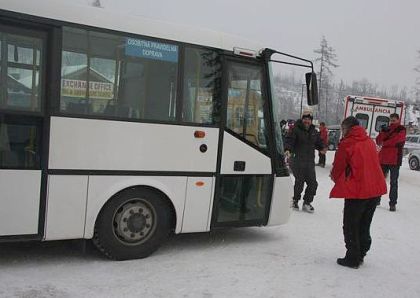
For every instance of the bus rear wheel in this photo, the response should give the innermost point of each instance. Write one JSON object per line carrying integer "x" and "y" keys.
{"x": 133, "y": 224}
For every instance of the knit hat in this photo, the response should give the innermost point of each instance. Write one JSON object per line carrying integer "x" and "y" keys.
{"x": 350, "y": 122}
{"x": 307, "y": 114}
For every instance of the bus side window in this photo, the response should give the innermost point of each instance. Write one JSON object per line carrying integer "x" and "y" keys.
{"x": 202, "y": 82}
{"x": 247, "y": 104}
{"x": 363, "y": 120}
{"x": 117, "y": 76}
{"x": 19, "y": 145}
{"x": 21, "y": 73}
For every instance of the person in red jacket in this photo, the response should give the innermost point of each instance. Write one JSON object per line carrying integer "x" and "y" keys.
{"x": 392, "y": 140}
{"x": 323, "y": 132}
{"x": 358, "y": 179}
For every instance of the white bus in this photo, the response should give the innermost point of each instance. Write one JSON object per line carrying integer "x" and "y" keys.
{"x": 123, "y": 130}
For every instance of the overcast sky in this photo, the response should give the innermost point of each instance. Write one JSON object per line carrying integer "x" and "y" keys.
{"x": 373, "y": 39}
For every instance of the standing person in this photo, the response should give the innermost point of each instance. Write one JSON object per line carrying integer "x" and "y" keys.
{"x": 302, "y": 141}
{"x": 323, "y": 132}
{"x": 392, "y": 140}
{"x": 283, "y": 129}
{"x": 358, "y": 179}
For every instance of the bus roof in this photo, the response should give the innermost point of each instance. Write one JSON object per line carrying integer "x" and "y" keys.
{"x": 118, "y": 21}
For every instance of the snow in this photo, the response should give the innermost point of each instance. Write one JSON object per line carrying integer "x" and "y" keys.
{"x": 294, "y": 260}
{"x": 412, "y": 115}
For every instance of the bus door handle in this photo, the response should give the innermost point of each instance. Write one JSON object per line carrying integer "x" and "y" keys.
{"x": 239, "y": 166}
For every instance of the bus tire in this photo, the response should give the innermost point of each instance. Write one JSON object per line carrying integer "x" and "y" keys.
{"x": 133, "y": 224}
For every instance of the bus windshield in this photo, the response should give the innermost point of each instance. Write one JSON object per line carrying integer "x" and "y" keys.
{"x": 276, "y": 117}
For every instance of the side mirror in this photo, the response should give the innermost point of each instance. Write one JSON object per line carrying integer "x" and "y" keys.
{"x": 311, "y": 88}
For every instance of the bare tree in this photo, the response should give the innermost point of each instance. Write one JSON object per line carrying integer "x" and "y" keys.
{"x": 96, "y": 3}
{"x": 417, "y": 68}
{"x": 341, "y": 93}
{"x": 417, "y": 85}
{"x": 288, "y": 93}
{"x": 327, "y": 60}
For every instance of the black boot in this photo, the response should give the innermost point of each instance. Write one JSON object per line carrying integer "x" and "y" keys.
{"x": 348, "y": 263}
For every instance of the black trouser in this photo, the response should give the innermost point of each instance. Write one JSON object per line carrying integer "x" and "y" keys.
{"x": 322, "y": 158}
{"x": 358, "y": 214}
{"x": 395, "y": 172}
{"x": 304, "y": 173}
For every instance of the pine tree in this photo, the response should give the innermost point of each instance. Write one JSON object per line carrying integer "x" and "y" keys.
{"x": 327, "y": 60}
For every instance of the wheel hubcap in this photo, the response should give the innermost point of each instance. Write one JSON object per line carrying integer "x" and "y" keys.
{"x": 134, "y": 222}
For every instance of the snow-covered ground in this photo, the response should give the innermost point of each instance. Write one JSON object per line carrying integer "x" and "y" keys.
{"x": 294, "y": 260}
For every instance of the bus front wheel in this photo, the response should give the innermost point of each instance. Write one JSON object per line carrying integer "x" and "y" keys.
{"x": 133, "y": 224}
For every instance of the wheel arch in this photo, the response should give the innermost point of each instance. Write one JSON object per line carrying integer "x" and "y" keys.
{"x": 98, "y": 199}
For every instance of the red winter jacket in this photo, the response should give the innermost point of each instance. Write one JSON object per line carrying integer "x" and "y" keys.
{"x": 356, "y": 171}
{"x": 323, "y": 131}
{"x": 392, "y": 142}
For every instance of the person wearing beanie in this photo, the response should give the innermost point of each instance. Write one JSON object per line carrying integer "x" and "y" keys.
{"x": 358, "y": 178}
{"x": 300, "y": 145}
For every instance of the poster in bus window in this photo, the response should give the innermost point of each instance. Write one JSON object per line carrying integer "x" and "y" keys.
{"x": 77, "y": 88}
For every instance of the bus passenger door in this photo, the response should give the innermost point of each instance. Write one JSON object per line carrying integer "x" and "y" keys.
{"x": 244, "y": 179}
{"x": 22, "y": 66}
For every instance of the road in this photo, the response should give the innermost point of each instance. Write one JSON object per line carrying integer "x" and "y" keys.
{"x": 293, "y": 260}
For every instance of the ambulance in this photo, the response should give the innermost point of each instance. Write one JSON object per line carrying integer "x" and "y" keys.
{"x": 372, "y": 112}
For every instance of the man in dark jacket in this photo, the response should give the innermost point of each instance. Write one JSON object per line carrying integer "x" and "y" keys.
{"x": 301, "y": 143}
{"x": 358, "y": 178}
{"x": 392, "y": 140}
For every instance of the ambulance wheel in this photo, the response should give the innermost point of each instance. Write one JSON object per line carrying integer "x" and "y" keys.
{"x": 133, "y": 224}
